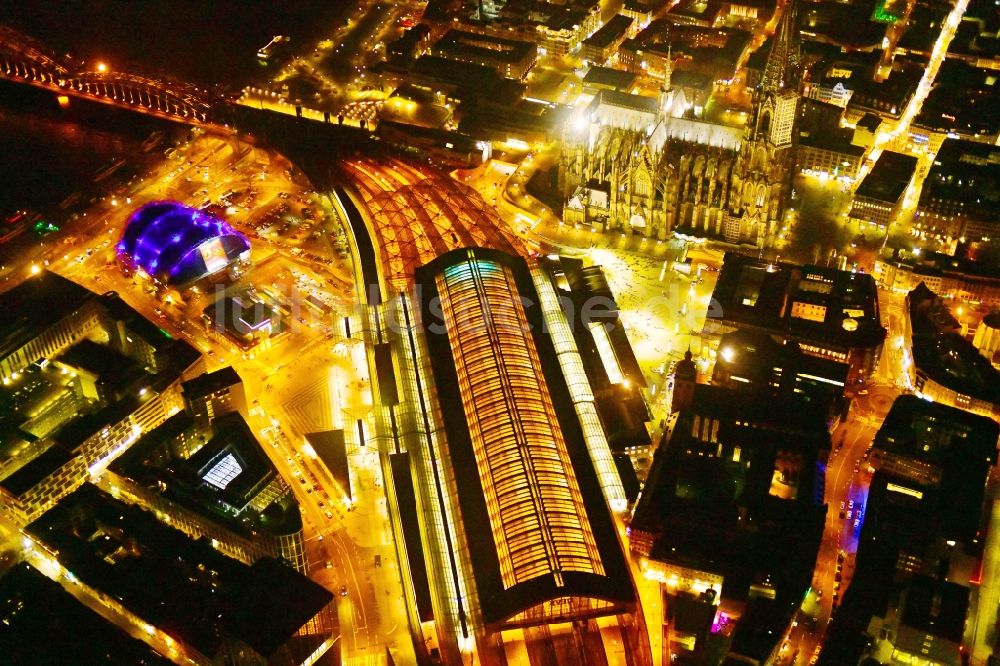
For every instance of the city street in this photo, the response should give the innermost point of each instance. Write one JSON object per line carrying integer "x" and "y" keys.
{"x": 309, "y": 379}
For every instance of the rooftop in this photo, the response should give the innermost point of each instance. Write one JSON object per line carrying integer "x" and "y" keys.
{"x": 888, "y": 97}
{"x": 960, "y": 444}
{"x": 838, "y": 141}
{"x": 964, "y": 99}
{"x": 461, "y": 80}
{"x": 210, "y": 382}
{"x": 609, "y": 78}
{"x": 330, "y": 446}
{"x": 113, "y": 370}
{"x": 936, "y": 607}
{"x": 695, "y": 10}
{"x": 713, "y": 497}
{"x": 44, "y": 624}
{"x": 889, "y": 178}
{"x": 964, "y": 180}
{"x": 227, "y": 470}
{"x": 943, "y": 354}
{"x": 870, "y": 122}
{"x": 625, "y": 100}
{"x": 753, "y": 293}
{"x": 34, "y": 305}
{"x": 755, "y": 361}
{"x": 611, "y": 31}
{"x": 511, "y": 427}
{"x": 484, "y": 47}
{"x": 82, "y": 428}
{"x": 184, "y": 587}
{"x": 36, "y": 471}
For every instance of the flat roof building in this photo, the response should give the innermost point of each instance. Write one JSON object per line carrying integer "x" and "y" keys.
{"x": 120, "y": 377}
{"x": 601, "y": 45}
{"x": 44, "y": 624}
{"x": 457, "y": 80}
{"x": 879, "y": 197}
{"x": 43, "y": 316}
{"x": 215, "y": 394}
{"x": 831, "y": 154}
{"x": 612, "y": 370}
{"x": 828, "y": 313}
{"x": 947, "y": 367}
{"x": 213, "y": 480}
{"x": 754, "y": 361}
{"x": 214, "y": 607}
{"x": 921, "y": 544}
{"x": 511, "y": 58}
{"x": 605, "y": 78}
{"x": 732, "y": 508}
{"x": 960, "y": 197}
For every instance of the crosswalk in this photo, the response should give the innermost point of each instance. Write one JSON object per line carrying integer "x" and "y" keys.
{"x": 371, "y": 657}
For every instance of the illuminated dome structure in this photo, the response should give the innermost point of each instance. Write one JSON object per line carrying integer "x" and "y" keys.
{"x": 178, "y": 245}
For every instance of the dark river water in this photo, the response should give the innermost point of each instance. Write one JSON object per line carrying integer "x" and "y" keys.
{"x": 206, "y": 42}
{"x": 48, "y": 153}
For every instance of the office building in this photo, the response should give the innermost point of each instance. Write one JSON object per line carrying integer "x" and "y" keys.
{"x": 511, "y": 58}
{"x": 828, "y": 313}
{"x": 946, "y": 367}
{"x": 210, "y": 478}
{"x": 215, "y": 394}
{"x": 879, "y": 198}
{"x": 43, "y": 316}
{"x": 182, "y": 592}
{"x": 110, "y": 376}
{"x": 753, "y": 361}
{"x": 912, "y": 596}
{"x": 731, "y": 513}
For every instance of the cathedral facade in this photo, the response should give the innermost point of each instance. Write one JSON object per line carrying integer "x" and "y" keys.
{"x": 639, "y": 166}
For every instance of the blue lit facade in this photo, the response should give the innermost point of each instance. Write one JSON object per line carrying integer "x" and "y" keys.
{"x": 179, "y": 245}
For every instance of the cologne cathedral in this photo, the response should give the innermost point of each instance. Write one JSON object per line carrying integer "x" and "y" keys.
{"x": 639, "y": 165}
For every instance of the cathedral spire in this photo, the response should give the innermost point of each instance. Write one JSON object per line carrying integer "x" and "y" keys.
{"x": 666, "y": 88}
{"x": 782, "y": 68}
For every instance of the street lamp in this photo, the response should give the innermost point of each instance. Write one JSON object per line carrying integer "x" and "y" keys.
{"x": 102, "y": 67}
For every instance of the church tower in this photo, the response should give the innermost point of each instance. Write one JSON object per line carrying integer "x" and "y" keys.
{"x": 685, "y": 377}
{"x": 761, "y": 182}
{"x": 777, "y": 95}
